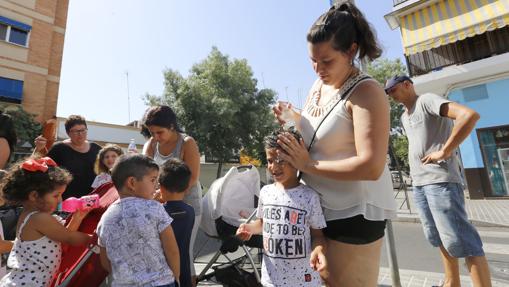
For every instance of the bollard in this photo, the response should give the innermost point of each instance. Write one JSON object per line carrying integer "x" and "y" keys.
{"x": 391, "y": 254}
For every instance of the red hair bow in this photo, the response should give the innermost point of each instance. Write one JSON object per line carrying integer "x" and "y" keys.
{"x": 40, "y": 164}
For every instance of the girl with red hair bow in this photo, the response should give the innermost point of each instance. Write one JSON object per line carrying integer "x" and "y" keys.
{"x": 37, "y": 184}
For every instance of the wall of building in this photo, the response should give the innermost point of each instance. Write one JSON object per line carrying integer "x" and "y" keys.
{"x": 37, "y": 65}
{"x": 490, "y": 100}
{"x": 493, "y": 111}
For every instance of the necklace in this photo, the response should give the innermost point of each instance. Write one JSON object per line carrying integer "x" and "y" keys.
{"x": 316, "y": 110}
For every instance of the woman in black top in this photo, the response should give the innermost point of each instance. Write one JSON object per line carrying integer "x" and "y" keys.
{"x": 7, "y": 139}
{"x": 76, "y": 154}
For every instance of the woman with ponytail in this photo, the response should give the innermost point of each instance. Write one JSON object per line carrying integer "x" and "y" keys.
{"x": 345, "y": 129}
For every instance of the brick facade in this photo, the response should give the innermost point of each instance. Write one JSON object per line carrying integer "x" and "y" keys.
{"x": 40, "y": 71}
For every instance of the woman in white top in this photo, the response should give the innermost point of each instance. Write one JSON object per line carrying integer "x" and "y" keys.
{"x": 345, "y": 129}
{"x": 168, "y": 141}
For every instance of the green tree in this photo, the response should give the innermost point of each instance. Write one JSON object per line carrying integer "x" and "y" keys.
{"x": 219, "y": 104}
{"x": 383, "y": 69}
{"x": 400, "y": 147}
{"x": 27, "y": 128}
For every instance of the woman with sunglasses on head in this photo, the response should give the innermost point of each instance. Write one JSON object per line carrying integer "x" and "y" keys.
{"x": 76, "y": 154}
{"x": 345, "y": 129}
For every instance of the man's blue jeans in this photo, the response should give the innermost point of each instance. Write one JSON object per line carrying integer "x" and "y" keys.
{"x": 444, "y": 220}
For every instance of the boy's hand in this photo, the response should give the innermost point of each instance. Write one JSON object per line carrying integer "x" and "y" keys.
{"x": 244, "y": 233}
{"x": 158, "y": 196}
{"x": 317, "y": 260}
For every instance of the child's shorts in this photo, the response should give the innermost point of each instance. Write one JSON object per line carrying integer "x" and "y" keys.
{"x": 444, "y": 220}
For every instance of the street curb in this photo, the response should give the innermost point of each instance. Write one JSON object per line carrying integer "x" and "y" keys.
{"x": 476, "y": 223}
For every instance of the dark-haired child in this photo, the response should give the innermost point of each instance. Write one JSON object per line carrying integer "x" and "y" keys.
{"x": 38, "y": 184}
{"x": 174, "y": 180}
{"x": 137, "y": 242}
{"x": 290, "y": 219}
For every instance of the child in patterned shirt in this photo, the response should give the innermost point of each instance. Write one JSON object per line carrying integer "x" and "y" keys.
{"x": 137, "y": 242}
{"x": 290, "y": 219}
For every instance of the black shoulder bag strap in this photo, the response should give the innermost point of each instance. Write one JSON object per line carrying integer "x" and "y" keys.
{"x": 346, "y": 93}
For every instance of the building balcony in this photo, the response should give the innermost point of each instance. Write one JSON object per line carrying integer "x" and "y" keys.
{"x": 471, "y": 49}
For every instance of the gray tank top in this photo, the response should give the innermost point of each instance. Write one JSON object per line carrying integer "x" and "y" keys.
{"x": 193, "y": 197}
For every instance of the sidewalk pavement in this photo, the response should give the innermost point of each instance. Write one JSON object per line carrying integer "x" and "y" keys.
{"x": 485, "y": 213}
{"x": 481, "y": 212}
{"x": 415, "y": 278}
{"x": 408, "y": 278}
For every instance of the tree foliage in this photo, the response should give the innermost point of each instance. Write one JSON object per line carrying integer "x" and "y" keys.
{"x": 381, "y": 70}
{"x": 27, "y": 128}
{"x": 400, "y": 148}
{"x": 219, "y": 104}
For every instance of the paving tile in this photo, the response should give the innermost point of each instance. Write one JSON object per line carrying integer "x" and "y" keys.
{"x": 481, "y": 212}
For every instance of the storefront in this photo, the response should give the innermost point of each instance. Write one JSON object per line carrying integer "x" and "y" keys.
{"x": 494, "y": 144}
{"x": 485, "y": 153}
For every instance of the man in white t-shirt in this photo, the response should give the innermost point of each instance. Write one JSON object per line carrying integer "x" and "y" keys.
{"x": 433, "y": 139}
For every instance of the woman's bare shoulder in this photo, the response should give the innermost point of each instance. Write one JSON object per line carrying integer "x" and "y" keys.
{"x": 368, "y": 92}
{"x": 4, "y": 143}
{"x": 190, "y": 143}
{"x": 188, "y": 138}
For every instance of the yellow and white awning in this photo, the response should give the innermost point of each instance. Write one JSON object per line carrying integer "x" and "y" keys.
{"x": 448, "y": 21}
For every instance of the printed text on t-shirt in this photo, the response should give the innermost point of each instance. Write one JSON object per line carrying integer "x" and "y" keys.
{"x": 284, "y": 232}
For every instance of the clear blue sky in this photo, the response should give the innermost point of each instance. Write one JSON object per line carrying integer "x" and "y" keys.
{"x": 104, "y": 39}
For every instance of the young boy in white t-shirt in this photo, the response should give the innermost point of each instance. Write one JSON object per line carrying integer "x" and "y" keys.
{"x": 290, "y": 219}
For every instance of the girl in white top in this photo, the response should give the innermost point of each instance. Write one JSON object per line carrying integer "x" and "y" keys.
{"x": 104, "y": 163}
{"x": 345, "y": 129}
{"x": 38, "y": 185}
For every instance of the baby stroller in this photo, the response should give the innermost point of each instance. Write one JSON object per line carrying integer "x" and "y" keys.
{"x": 231, "y": 201}
{"x": 81, "y": 265}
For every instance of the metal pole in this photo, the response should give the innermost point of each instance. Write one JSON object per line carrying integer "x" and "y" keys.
{"x": 393, "y": 259}
{"x": 128, "y": 98}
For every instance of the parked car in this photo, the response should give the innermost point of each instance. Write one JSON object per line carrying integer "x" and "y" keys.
{"x": 397, "y": 180}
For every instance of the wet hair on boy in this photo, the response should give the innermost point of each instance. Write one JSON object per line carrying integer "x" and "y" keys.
{"x": 136, "y": 166}
{"x": 270, "y": 141}
{"x": 175, "y": 176}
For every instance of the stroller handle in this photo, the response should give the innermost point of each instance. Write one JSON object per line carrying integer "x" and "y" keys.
{"x": 250, "y": 218}
{"x": 246, "y": 166}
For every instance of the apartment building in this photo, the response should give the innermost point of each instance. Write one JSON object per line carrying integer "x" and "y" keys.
{"x": 31, "y": 46}
{"x": 459, "y": 49}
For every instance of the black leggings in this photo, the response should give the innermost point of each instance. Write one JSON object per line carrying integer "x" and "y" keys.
{"x": 355, "y": 230}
